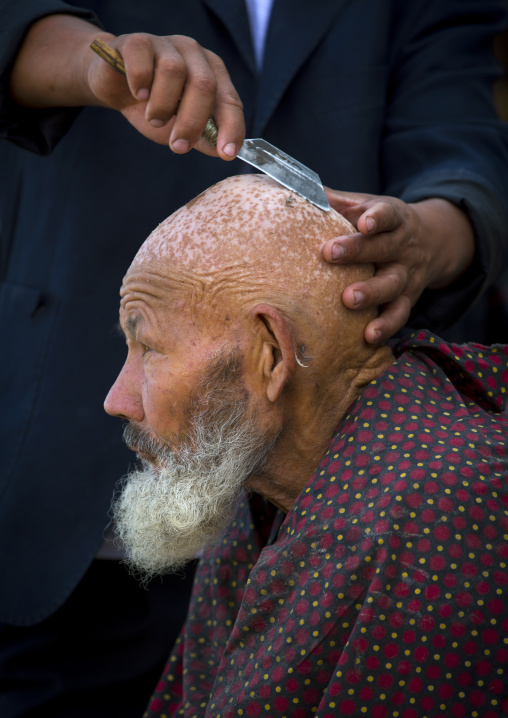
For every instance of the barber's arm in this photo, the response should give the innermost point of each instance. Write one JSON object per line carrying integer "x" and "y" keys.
{"x": 55, "y": 67}
{"x": 445, "y": 155}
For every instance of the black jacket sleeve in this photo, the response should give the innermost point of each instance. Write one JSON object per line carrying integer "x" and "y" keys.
{"x": 442, "y": 136}
{"x": 37, "y": 130}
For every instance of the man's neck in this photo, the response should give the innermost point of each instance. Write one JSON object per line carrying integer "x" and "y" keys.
{"x": 306, "y": 435}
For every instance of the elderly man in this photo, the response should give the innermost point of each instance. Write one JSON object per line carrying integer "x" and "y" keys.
{"x": 379, "y": 585}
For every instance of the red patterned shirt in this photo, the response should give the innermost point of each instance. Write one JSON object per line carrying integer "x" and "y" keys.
{"x": 385, "y": 593}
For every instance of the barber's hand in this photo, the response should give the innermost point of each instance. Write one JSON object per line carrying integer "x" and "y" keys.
{"x": 413, "y": 247}
{"x": 160, "y": 73}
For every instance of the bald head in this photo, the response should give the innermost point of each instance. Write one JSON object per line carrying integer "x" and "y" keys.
{"x": 247, "y": 240}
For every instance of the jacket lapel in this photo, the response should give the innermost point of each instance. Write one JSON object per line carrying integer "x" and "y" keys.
{"x": 296, "y": 27}
{"x": 233, "y": 14}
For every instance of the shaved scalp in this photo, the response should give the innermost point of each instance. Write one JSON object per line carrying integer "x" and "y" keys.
{"x": 240, "y": 216}
{"x": 247, "y": 239}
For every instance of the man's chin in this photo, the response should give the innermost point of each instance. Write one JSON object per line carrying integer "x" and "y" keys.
{"x": 146, "y": 528}
{"x": 164, "y": 521}
{"x": 147, "y": 459}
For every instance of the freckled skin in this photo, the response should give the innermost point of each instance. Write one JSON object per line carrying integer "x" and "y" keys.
{"x": 242, "y": 241}
{"x": 198, "y": 286}
{"x": 246, "y": 222}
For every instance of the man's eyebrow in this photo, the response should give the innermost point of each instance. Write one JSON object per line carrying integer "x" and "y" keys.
{"x": 131, "y": 326}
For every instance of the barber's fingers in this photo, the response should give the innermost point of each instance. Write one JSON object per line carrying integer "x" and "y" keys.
{"x": 392, "y": 318}
{"x": 368, "y": 213}
{"x": 181, "y": 72}
{"x": 338, "y": 198}
{"x": 388, "y": 283}
{"x": 138, "y": 53}
{"x": 155, "y": 75}
{"x": 197, "y": 88}
{"x": 228, "y": 111}
{"x": 382, "y": 216}
{"x": 394, "y": 290}
{"x": 385, "y": 234}
{"x": 166, "y": 74}
{"x": 204, "y": 86}
{"x": 391, "y": 236}
{"x": 394, "y": 246}
{"x": 348, "y": 248}
{"x": 350, "y": 204}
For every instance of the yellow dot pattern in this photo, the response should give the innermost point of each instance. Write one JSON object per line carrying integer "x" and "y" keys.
{"x": 385, "y": 593}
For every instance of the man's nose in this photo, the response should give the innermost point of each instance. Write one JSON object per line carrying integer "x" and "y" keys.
{"x": 124, "y": 399}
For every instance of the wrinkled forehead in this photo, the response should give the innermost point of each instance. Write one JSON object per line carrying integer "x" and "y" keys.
{"x": 243, "y": 219}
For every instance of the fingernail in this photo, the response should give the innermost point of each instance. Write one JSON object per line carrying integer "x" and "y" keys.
{"x": 337, "y": 251}
{"x": 157, "y": 123}
{"x": 376, "y": 337}
{"x": 357, "y": 297}
{"x": 180, "y": 146}
{"x": 143, "y": 94}
{"x": 229, "y": 149}
{"x": 371, "y": 223}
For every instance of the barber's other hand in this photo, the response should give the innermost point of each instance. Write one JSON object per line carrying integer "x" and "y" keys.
{"x": 160, "y": 72}
{"x": 413, "y": 247}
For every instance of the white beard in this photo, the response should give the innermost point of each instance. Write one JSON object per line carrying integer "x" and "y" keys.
{"x": 168, "y": 511}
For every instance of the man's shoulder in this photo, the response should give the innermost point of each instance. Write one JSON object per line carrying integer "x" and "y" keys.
{"x": 476, "y": 373}
{"x": 430, "y": 425}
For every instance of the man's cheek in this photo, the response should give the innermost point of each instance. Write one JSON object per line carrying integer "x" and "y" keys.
{"x": 165, "y": 407}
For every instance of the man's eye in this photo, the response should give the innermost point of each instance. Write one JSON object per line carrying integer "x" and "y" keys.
{"x": 145, "y": 349}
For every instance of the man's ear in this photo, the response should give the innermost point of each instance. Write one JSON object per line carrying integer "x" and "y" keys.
{"x": 276, "y": 361}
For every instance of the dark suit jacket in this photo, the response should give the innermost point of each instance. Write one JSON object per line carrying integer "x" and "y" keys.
{"x": 386, "y": 97}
